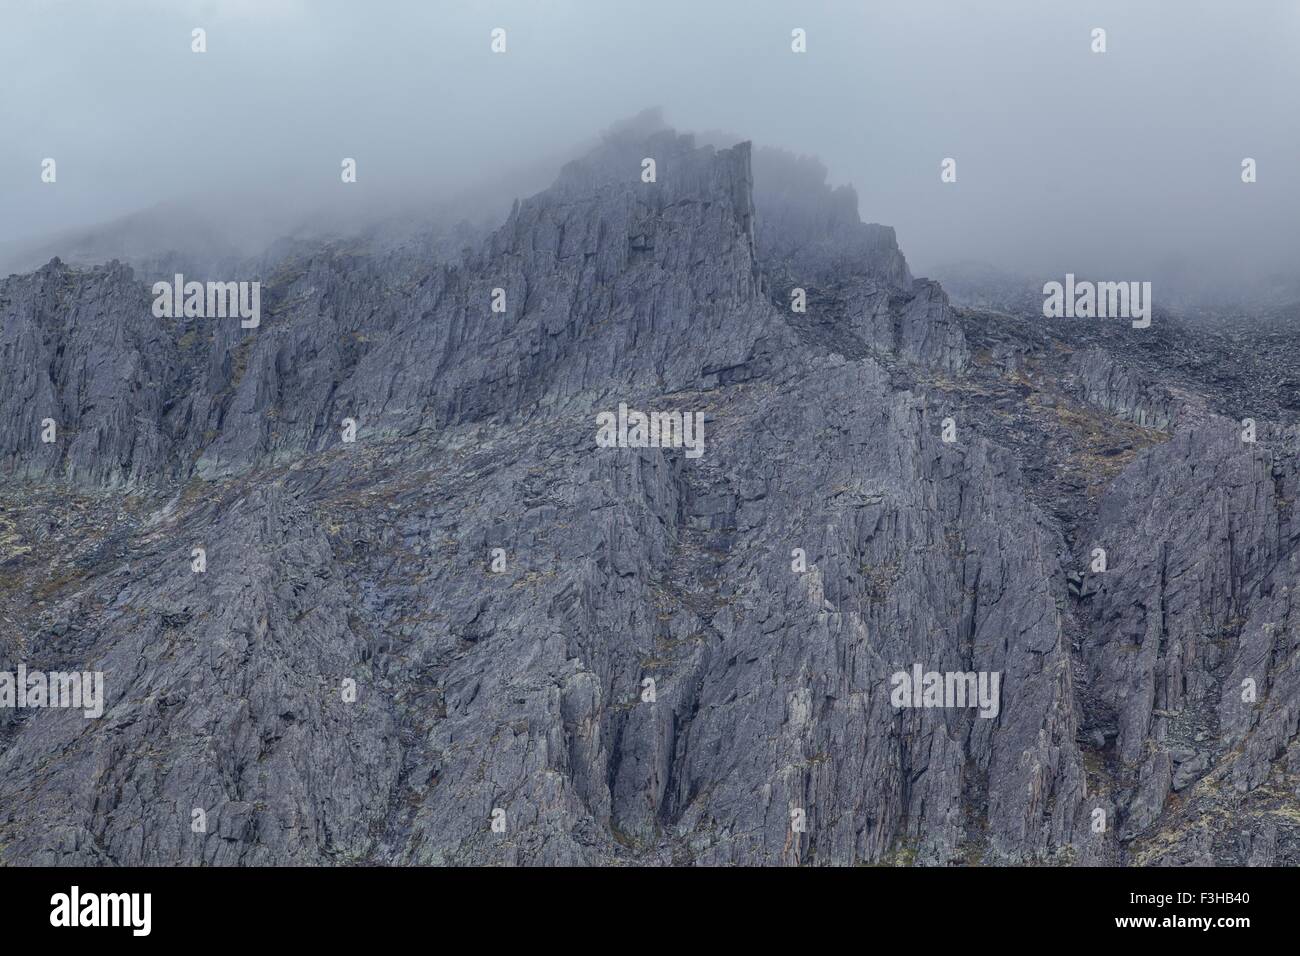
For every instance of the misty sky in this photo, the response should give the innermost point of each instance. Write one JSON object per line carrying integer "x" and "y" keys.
{"x": 1124, "y": 161}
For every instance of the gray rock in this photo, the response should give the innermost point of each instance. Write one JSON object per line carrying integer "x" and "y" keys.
{"x": 519, "y": 695}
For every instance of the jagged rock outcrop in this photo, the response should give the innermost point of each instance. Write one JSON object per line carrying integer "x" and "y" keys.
{"x": 812, "y": 234}
{"x": 633, "y": 655}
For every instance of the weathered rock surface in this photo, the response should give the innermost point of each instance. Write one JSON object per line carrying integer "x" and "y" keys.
{"x": 523, "y": 689}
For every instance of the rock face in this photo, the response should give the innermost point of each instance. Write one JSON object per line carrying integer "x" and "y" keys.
{"x": 474, "y": 635}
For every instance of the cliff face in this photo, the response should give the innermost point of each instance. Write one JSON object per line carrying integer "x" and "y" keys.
{"x": 827, "y": 538}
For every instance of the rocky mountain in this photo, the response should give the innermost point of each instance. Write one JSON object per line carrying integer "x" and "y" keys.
{"x": 473, "y": 634}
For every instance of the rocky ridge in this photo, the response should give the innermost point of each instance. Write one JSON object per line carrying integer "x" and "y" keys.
{"x": 521, "y": 690}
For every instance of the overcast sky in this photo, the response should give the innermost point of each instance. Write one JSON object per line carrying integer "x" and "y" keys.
{"x": 1066, "y": 159}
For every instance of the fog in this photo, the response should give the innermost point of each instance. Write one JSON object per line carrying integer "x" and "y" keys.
{"x": 1126, "y": 162}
